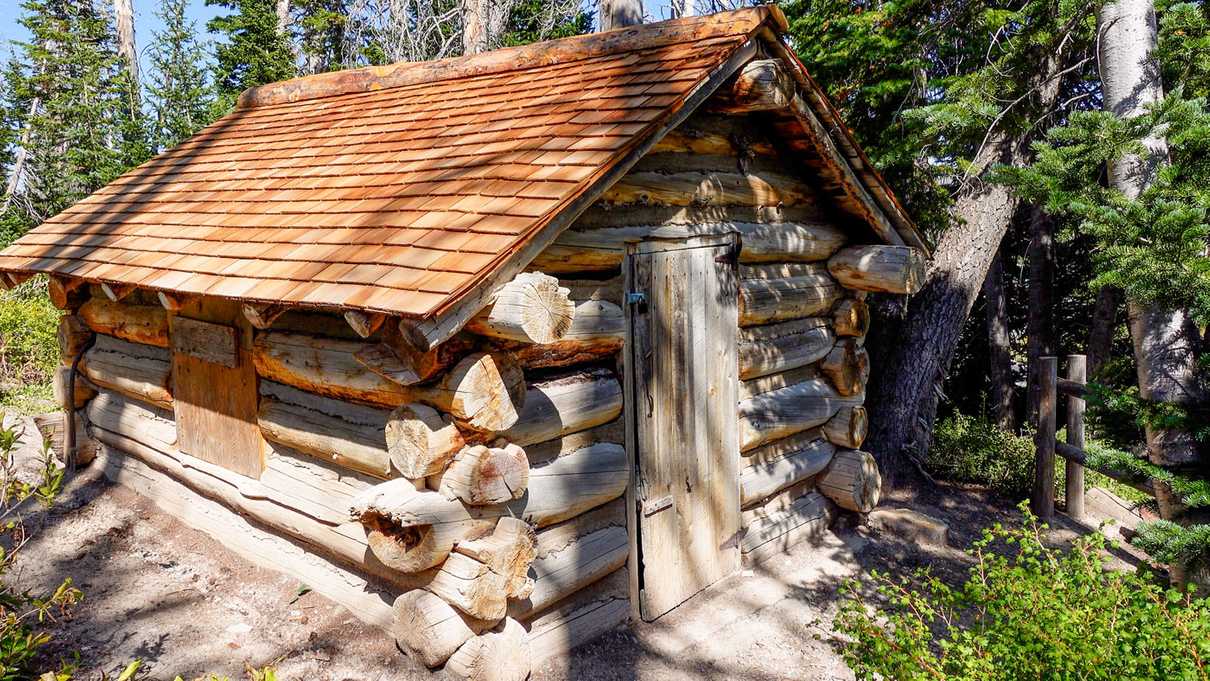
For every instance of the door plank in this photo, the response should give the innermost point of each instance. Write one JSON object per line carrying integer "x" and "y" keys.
{"x": 683, "y": 392}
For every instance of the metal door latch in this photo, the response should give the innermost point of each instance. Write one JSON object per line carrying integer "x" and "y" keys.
{"x": 653, "y": 506}
{"x": 635, "y": 297}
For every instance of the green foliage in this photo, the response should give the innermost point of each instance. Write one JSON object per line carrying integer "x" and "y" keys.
{"x": 253, "y": 52}
{"x": 1025, "y": 611}
{"x": 533, "y": 20}
{"x": 924, "y": 83}
{"x": 71, "y": 106}
{"x": 1174, "y": 544}
{"x": 178, "y": 90}
{"x": 26, "y": 618}
{"x": 1193, "y": 493}
{"x": 1153, "y": 246}
{"x": 972, "y": 449}
{"x": 29, "y": 350}
{"x": 1184, "y": 45}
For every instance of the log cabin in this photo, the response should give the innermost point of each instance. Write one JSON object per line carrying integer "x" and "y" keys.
{"x": 501, "y": 351}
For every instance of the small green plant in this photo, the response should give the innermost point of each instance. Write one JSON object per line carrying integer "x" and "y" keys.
{"x": 975, "y": 450}
{"x": 1025, "y": 611}
{"x": 26, "y": 618}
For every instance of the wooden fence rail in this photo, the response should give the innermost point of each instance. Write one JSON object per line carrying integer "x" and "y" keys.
{"x": 1075, "y": 388}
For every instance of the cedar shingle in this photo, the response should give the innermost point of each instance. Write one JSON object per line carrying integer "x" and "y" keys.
{"x": 393, "y": 198}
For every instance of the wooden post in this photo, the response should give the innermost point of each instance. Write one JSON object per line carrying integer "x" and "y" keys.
{"x": 1077, "y": 372}
{"x": 1043, "y": 500}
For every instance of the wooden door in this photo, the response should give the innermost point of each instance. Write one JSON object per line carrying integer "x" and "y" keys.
{"x": 214, "y": 387}
{"x": 681, "y": 387}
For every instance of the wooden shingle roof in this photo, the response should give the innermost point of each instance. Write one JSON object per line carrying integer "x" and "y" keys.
{"x": 397, "y": 189}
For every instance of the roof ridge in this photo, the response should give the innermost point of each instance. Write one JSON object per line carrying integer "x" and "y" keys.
{"x": 574, "y": 48}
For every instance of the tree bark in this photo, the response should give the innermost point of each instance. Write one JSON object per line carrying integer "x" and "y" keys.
{"x": 474, "y": 26}
{"x": 1100, "y": 335}
{"x": 1039, "y": 324}
{"x": 123, "y": 11}
{"x": 619, "y": 14}
{"x": 1165, "y": 341}
{"x": 1000, "y": 399}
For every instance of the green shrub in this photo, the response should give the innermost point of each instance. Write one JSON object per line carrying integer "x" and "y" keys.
{"x": 1025, "y": 611}
{"x": 26, "y": 618}
{"x": 975, "y": 450}
{"x": 29, "y": 350}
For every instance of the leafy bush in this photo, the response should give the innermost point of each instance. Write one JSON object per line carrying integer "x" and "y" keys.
{"x": 29, "y": 349}
{"x": 973, "y": 449}
{"x": 25, "y": 616}
{"x": 1025, "y": 611}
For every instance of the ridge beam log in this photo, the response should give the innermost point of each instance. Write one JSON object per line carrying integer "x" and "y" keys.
{"x": 761, "y": 85}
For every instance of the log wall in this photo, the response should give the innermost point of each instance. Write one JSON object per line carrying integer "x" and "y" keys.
{"x": 481, "y": 483}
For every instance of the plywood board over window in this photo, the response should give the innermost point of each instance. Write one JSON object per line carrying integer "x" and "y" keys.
{"x": 214, "y": 387}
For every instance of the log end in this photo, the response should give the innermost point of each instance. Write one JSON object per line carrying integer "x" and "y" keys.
{"x": 852, "y": 481}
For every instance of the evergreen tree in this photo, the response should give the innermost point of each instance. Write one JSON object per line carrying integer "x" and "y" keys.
{"x": 254, "y": 51}
{"x": 179, "y": 93}
{"x": 70, "y": 96}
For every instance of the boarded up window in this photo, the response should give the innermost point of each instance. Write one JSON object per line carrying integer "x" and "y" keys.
{"x": 214, "y": 390}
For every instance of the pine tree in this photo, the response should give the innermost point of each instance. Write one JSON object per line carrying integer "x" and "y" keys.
{"x": 254, "y": 52}
{"x": 70, "y": 96}
{"x": 179, "y": 93}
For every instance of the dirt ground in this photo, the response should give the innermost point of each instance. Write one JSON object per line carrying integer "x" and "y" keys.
{"x": 172, "y": 597}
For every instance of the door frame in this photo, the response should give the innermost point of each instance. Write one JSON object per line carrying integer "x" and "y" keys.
{"x": 631, "y": 401}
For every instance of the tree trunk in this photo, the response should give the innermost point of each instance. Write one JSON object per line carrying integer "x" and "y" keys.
{"x": 903, "y": 395}
{"x": 619, "y": 14}
{"x": 474, "y": 26}
{"x": 1039, "y": 324}
{"x": 1000, "y": 399}
{"x": 283, "y": 16}
{"x": 1100, "y": 335}
{"x": 1165, "y": 341}
{"x": 123, "y": 11}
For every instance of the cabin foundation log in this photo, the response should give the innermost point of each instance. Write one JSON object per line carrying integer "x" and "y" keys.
{"x": 587, "y": 614}
{"x": 501, "y": 654}
{"x": 779, "y": 413}
{"x": 143, "y": 324}
{"x": 142, "y": 372}
{"x": 532, "y": 308}
{"x": 481, "y": 476}
{"x": 782, "y": 523}
{"x": 431, "y": 630}
{"x": 852, "y": 481}
{"x": 774, "y": 348}
{"x": 764, "y": 301}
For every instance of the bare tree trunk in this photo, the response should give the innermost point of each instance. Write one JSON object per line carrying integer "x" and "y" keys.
{"x": 681, "y": 8}
{"x": 619, "y": 14}
{"x": 1165, "y": 341}
{"x": 1100, "y": 334}
{"x": 903, "y": 393}
{"x": 283, "y": 16}
{"x": 1000, "y": 406}
{"x": 1039, "y": 324}
{"x": 123, "y": 11}
{"x": 474, "y": 26}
